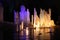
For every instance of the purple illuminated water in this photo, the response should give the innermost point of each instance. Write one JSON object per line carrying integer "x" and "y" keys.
{"x": 24, "y": 15}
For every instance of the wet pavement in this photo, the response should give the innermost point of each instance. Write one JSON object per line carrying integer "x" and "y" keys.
{"x": 42, "y": 34}
{"x": 8, "y": 32}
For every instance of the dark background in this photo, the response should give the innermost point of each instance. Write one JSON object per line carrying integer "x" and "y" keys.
{"x": 10, "y": 5}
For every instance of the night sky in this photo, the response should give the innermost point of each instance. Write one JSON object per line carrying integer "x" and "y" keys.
{"x": 10, "y": 5}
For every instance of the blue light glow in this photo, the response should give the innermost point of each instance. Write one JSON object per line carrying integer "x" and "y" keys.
{"x": 23, "y": 14}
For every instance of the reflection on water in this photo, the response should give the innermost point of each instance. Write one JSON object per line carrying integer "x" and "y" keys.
{"x": 27, "y": 31}
{"x": 35, "y": 34}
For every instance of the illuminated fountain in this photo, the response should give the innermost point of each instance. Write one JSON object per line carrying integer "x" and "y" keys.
{"x": 16, "y": 17}
{"x": 24, "y": 15}
{"x": 40, "y": 23}
{"x": 44, "y": 20}
{"x": 36, "y": 19}
{"x": 28, "y": 16}
{"x": 21, "y": 26}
